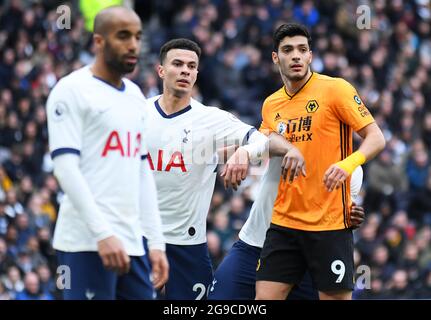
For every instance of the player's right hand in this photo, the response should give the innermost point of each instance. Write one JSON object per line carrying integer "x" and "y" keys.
{"x": 113, "y": 255}
{"x": 293, "y": 164}
{"x": 160, "y": 267}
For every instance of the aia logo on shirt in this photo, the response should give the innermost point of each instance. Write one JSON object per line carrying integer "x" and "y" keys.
{"x": 127, "y": 145}
{"x": 176, "y": 160}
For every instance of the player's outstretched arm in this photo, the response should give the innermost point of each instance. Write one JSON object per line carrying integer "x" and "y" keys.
{"x": 110, "y": 248}
{"x": 236, "y": 167}
{"x": 152, "y": 227}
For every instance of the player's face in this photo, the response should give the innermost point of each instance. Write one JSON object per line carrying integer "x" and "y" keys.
{"x": 293, "y": 57}
{"x": 179, "y": 71}
{"x": 122, "y": 44}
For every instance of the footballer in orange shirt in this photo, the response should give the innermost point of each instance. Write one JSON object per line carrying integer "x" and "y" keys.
{"x": 310, "y": 227}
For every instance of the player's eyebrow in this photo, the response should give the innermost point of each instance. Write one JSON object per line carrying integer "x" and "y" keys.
{"x": 289, "y": 46}
{"x": 182, "y": 61}
{"x": 128, "y": 32}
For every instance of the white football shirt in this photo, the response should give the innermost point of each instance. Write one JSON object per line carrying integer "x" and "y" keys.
{"x": 254, "y": 230}
{"x": 104, "y": 126}
{"x": 182, "y": 152}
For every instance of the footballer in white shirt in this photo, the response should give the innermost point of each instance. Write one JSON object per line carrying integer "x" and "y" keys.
{"x": 183, "y": 138}
{"x": 96, "y": 139}
{"x": 235, "y": 277}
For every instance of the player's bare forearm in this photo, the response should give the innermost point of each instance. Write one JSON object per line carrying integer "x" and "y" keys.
{"x": 374, "y": 141}
{"x": 278, "y": 145}
{"x": 225, "y": 153}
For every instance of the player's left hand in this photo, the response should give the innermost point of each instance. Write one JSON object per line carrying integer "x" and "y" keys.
{"x": 160, "y": 266}
{"x": 334, "y": 177}
{"x": 235, "y": 169}
{"x": 357, "y": 216}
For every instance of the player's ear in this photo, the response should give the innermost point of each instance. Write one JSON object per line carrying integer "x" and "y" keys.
{"x": 275, "y": 57}
{"x": 311, "y": 57}
{"x": 98, "y": 40}
{"x": 160, "y": 71}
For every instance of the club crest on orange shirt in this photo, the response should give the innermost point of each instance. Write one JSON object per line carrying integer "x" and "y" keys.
{"x": 312, "y": 106}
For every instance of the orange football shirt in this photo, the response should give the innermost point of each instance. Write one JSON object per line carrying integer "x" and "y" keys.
{"x": 318, "y": 120}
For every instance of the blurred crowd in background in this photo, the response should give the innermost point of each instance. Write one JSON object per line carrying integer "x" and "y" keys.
{"x": 389, "y": 64}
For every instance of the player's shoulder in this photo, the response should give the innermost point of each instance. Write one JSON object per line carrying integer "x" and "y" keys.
{"x": 194, "y": 103}
{"x": 74, "y": 80}
{"x": 199, "y": 107}
{"x": 153, "y": 99}
{"x": 150, "y": 105}
{"x": 332, "y": 82}
{"x": 213, "y": 113}
{"x": 133, "y": 88}
{"x": 274, "y": 98}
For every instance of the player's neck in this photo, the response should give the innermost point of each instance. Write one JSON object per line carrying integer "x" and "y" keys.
{"x": 293, "y": 87}
{"x": 100, "y": 70}
{"x": 172, "y": 104}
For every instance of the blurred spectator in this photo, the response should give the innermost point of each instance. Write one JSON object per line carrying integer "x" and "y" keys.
{"x": 12, "y": 241}
{"x": 222, "y": 228}
{"x": 418, "y": 169}
{"x": 4, "y": 219}
{"x": 394, "y": 240}
{"x": 237, "y": 213}
{"x": 306, "y": 13}
{"x": 386, "y": 181}
{"x": 32, "y": 289}
{"x": 35, "y": 209}
{"x": 13, "y": 165}
{"x": 47, "y": 283}
{"x": 33, "y": 250}
{"x": 5, "y": 184}
{"x": 44, "y": 236}
{"x": 214, "y": 248}
{"x": 12, "y": 281}
{"x": 398, "y": 286}
{"x": 24, "y": 228}
{"x": 425, "y": 291}
{"x": 367, "y": 242}
{"x": 420, "y": 204}
{"x": 380, "y": 265}
{"x": 23, "y": 261}
{"x": 4, "y": 294}
{"x": 13, "y": 207}
{"x": 423, "y": 242}
{"x": 5, "y": 260}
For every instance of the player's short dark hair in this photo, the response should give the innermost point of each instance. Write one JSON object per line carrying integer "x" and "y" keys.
{"x": 290, "y": 30}
{"x": 179, "y": 43}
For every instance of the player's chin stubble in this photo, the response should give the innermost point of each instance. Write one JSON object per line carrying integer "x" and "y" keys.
{"x": 296, "y": 77}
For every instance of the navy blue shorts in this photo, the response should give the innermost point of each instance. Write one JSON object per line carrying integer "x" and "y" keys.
{"x": 90, "y": 280}
{"x": 235, "y": 278}
{"x": 190, "y": 272}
